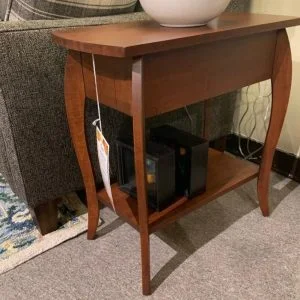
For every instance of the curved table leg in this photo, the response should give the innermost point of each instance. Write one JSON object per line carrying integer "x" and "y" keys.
{"x": 140, "y": 168}
{"x": 75, "y": 107}
{"x": 281, "y": 87}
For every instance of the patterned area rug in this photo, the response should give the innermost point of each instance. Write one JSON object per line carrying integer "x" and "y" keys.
{"x": 20, "y": 240}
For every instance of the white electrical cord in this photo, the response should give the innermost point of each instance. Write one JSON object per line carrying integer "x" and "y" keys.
{"x": 250, "y": 155}
{"x": 8, "y": 10}
{"x": 241, "y": 121}
{"x": 255, "y": 120}
{"x": 190, "y": 117}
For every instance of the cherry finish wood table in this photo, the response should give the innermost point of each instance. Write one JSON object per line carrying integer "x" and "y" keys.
{"x": 144, "y": 70}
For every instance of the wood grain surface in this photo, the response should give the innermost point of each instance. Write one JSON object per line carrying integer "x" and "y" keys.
{"x": 185, "y": 76}
{"x": 75, "y": 107}
{"x": 139, "y": 137}
{"x": 182, "y": 77}
{"x": 219, "y": 182}
{"x": 281, "y": 88}
{"x": 140, "y": 38}
{"x": 144, "y": 69}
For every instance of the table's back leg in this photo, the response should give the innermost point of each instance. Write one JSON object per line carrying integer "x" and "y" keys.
{"x": 281, "y": 87}
{"x": 140, "y": 168}
{"x": 75, "y": 107}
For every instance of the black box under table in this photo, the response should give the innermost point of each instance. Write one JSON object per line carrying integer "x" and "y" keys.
{"x": 191, "y": 158}
{"x": 160, "y": 172}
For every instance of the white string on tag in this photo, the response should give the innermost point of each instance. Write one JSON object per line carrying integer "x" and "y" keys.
{"x": 97, "y": 95}
{"x": 102, "y": 145}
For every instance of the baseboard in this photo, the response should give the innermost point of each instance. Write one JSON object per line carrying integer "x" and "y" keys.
{"x": 286, "y": 164}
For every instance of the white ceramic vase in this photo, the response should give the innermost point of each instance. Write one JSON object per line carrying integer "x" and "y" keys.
{"x": 184, "y": 13}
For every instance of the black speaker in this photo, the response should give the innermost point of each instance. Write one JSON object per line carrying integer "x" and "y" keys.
{"x": 160, "y": 169}
{"x": 191, "y": 158}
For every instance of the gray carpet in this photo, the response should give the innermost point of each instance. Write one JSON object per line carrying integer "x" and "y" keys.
{"x": 225, "y": 250}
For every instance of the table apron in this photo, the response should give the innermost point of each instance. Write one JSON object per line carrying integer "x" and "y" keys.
{"x": 185, "y": 76}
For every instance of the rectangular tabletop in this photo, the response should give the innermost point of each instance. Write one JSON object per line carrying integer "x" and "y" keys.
{"x": 140, "y": 38}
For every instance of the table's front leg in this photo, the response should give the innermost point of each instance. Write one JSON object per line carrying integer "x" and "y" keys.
{"x": 281, "y": 87}
{"x": 138, "y": 112}
{"x": 75, "y": 107}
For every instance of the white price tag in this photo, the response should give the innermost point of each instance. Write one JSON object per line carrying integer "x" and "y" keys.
{"x": 103, "y": 155}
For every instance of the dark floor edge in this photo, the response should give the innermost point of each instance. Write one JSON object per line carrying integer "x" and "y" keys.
{"x": 286, "y": 164}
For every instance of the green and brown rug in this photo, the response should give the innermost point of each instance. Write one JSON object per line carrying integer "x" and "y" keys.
{"x": 20, "y": 239}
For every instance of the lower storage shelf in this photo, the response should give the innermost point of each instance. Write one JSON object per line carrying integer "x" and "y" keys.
{"x": 225, "y": 173}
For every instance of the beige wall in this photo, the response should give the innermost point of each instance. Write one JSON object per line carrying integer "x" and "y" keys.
{"x": 290, "y": 138}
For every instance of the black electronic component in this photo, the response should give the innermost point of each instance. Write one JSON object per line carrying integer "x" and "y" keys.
{"x": 191, "y": 158}
{"x": 160, "y": 169}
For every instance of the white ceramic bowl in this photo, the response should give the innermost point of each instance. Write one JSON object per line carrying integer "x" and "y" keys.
{"x": 184, "y": 13}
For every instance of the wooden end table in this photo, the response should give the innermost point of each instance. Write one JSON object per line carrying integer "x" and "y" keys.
{"x": 144, "y": 70}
